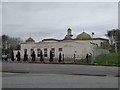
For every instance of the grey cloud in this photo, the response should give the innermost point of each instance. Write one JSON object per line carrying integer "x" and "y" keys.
{"x": 52, "y": 19}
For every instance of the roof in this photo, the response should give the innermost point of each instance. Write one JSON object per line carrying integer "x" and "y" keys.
{"x": 51, "y": 39}
{"x": 83, "y": 36}
{"x": 30, "y": 40}
{"x": 67, "y": 37}
{"x": 99, "y": 39}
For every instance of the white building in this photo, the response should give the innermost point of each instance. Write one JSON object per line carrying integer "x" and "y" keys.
{"x": 80, "y": 46}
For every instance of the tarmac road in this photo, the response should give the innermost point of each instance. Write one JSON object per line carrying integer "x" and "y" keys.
{"x": 29, "y": 75}
{"x": 60, "y": 69}
{"x": 33, "y": 80}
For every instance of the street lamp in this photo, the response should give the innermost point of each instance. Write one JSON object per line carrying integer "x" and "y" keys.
{"x": 92, "y": 36}
{"x": 75, "y": 55}
{"x": 92, "y": 45}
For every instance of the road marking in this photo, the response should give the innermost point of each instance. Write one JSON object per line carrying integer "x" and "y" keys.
{"x": 42, "y": 74}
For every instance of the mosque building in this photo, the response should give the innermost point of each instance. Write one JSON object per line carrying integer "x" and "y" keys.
{"x": 79, "y": 46}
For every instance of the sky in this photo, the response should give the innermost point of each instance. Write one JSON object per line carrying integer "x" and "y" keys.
{"x": 43, "y": 20}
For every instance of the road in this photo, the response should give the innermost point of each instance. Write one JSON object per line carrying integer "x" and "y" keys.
{"x": 28, "y": 75}
{"x": 60, "y": 69}
{"x": 20, "y": 80}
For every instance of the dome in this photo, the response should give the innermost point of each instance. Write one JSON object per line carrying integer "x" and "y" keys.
{"x": 30, "y": 40}
{"x": 83, "y": 36}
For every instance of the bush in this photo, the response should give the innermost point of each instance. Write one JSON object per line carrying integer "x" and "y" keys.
{"x": 83, "y": 61}
{"x": 107, "y": 59}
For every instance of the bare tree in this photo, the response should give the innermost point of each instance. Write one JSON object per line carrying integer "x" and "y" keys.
{"x": 10, "y": 43}
{"x": 114, "y": 36}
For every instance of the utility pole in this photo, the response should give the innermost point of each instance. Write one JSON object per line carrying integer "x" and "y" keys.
{"x": 92, "y": 36}
{"x": 75, "y": 56}
{"x": 6, "y": 45}
{"x": 92, "y": 45}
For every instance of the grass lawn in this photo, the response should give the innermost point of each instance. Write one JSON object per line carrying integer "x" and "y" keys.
{"x": 111, "y": 59}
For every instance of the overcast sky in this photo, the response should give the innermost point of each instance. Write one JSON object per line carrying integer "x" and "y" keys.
{"x": 52, "y": 19}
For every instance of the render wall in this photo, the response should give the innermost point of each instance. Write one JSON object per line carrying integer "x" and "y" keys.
{"x": 69, "y": 48}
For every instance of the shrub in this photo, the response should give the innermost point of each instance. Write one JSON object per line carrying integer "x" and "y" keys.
{"x": 107, "y": 59}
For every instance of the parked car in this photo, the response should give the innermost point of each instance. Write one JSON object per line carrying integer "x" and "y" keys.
{"x": 4, "y": 57}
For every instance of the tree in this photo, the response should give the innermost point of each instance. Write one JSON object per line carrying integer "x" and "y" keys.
{"x": 33, "y": 56}
{"x": 105, "y": 45}
{"x": 41, "y": 56}
{"x": 51, "y": 56}
{"x": 112, "y": 48}
{"x": 114, "y": 36}
{"x": 4, "y": 42}
{"x": 12, "y": 56}
{"x": 25, "y": 56}
{"x": 60, "y": 57}
{"x": 18, "y": 56}
{"x": 87, "y": 57}
{"x": 9, "y": 44}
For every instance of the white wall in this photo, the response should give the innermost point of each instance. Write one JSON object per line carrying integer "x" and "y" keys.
{"x": 68, "y": 48}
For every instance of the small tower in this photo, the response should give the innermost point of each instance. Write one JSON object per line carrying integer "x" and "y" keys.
{"x": 69, "y": 34}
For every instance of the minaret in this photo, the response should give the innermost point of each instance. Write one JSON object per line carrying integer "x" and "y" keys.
{"x": 69, "y": 32}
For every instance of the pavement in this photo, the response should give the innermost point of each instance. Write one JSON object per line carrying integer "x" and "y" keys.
{"x": 33, "y": 75}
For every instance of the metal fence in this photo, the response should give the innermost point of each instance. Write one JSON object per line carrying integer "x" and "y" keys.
{"x": 98, "y": 51}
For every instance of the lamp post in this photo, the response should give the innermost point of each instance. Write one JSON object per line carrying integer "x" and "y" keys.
{"x": 74, "y": 56}
{"x": 92, "y": 46}
{"x": 92, "y": 36}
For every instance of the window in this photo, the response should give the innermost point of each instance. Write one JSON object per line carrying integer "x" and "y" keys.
{"x": 38, "y": 52}
{"x": 60, "y": 49}
{"x": 53, "y": 51}
{"x": 31, "y": 51}
{"x": 45, "y": 52}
